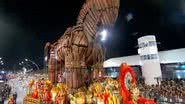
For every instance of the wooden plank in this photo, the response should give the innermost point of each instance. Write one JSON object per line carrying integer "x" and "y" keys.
{"x": 109, "y": 3}
{"x": 116, "y": 14}
{"x": 88, "y": 29}
{"x": 99, "y": 2}
{"x": 112, "y": 9}
{"x": 84, "y": 10}
{"x": 105, "y": 4}
{"x": 96, "y": 16}
{"x": 104, "y": 17}
{"x": 117, "y": 3}
{"x": 89, "y": 20}
{"x": 103, "y": 21}
{"x": 110, "y": 14}
{"x": 88, "y": 34}
{"x": 107, "y": 17}
{"x": 102, "y": 5}
{"x": 97, "y": 5}
{"x": 90, "y": 25}
{"x": 112, "y": 3}
{"x": 92, "y": 15}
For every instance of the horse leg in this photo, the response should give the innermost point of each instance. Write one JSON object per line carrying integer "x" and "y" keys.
{"x": 52, "y": 70}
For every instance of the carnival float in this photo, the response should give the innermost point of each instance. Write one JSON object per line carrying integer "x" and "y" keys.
{"x": 123, "y": 90}
{"x": 78, "y": 57}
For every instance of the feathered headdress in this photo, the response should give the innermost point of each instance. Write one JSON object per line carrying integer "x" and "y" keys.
{"x": 126, "y": 78}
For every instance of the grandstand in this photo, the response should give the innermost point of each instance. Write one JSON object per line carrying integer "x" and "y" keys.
{"x": 172, "y": 63}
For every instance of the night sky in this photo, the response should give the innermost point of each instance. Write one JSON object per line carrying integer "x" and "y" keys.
{"x": 26, "y": 25}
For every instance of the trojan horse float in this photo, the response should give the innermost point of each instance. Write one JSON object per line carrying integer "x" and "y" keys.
{"x": 79, "y": 47}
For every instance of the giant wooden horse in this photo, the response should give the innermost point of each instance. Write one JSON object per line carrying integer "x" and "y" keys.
{"x": 79, "y": 46}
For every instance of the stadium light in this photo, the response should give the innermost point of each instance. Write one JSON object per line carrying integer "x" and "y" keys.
{"x": 2, "y": 72}
{"x": 26, "y": 59}
{"x": 45, "y": 58}
{"x": 179, "y": 77}
{"x": 20, "y": 64}
{"x": 103, "y": 35}
{"x": 1, "y": 61}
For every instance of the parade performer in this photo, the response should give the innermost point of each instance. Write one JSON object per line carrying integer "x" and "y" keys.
{"x": 11, "y": 100}
{"x": 106, "y": 96}
{"x": 35, "y": 93}
{"x": 129, "y": 90}
{"x": 47, "y": 91}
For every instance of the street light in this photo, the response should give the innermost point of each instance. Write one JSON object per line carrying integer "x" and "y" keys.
{"x": 33, "y": 63}
{"x": 26, "y": 65}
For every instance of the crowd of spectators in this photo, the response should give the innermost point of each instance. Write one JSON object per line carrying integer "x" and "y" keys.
{"x": 5, "y": 91}
{"x": 167, "y": 92}
{"x": 19, "y": 85}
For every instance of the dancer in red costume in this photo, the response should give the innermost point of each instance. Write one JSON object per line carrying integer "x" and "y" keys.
{"x": 129, "y": 90}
